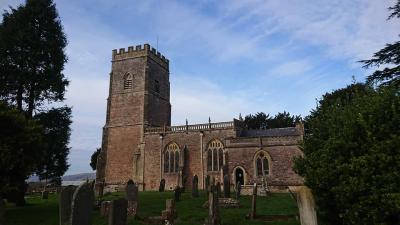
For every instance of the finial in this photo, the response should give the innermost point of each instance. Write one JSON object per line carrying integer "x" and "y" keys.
{"x": 187, "y": 122}
{"x": 240, "y": 117}
{"x": 209, "y": 119}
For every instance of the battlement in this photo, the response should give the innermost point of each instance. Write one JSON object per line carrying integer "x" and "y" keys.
{"x": 138, "y": 51}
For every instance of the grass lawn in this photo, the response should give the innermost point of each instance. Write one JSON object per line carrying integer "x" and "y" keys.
{"x": 190, "y": 212}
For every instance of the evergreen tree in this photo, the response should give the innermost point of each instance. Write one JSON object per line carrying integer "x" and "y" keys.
{"x": 32, "y": 57}
{"x": 389, "y": 55}
{"x": 56, "y": 124}
{"x": 20, "y": 152}
{"x": 93, "y": 159}
{"x": 351, "y": 155}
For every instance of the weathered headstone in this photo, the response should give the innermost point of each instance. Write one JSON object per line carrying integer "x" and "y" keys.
{"x": 169, "y": 214}
{"x": 104, "y": 208}
{"x": 227, "y": 186}
{"x": 238, "y": 189}
{"x": 132, "y": 194}
{"x": 162, "y": 185}
{"x": 45, "y": 194}
{"x": 207, "y": 183}
{"x": 82, "y": 205}
{"x": 213, "y": 208}
{"x": 264, "y": 187}
{"x": 2, "y": 209}
{"x": 254, "y": 202}
{"x": 195, "y": 187}
{"x": 306, "y": 205}
{"x": 117, "y": 214}
{"x": 65, "y": 203}
{"x": 177, "y": 193}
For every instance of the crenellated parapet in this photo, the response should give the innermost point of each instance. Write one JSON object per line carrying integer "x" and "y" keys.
{"x": 140, "y": 51}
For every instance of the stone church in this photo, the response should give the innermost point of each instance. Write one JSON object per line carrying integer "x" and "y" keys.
{"x": 139, "y": 142}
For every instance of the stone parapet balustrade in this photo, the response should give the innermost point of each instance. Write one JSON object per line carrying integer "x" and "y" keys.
{"x": 193, "y": 127}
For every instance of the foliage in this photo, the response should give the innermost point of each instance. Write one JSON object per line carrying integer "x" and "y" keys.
{"x": 389, "y": 55}
{"x": 32, "y": 56}
{"x": 261, "y": 120}
{"x": 20, "y": 149}
{"x": 56, "y": 124}
{"x": 93, "y": 159}
{"x": 351, "y": 155}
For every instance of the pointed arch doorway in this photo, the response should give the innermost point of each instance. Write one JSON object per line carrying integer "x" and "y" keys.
{"x": 239, "y": 175}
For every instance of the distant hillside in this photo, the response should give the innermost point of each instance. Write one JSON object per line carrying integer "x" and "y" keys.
{"x": 74, "y": 177}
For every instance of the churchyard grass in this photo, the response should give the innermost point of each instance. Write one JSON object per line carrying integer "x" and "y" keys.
{"x": 190, "y": 211}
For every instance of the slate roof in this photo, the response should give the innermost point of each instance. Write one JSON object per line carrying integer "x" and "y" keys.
{"x": 276, "y": 132}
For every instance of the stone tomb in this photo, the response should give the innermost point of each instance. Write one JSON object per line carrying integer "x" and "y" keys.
{"x": 132, "y": 196}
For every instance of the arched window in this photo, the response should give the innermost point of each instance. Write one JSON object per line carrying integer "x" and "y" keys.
{"x": 128, "y": 80}
{"x": 262, "y": 164}
{"x": 215, "y": 156}
{"x": 176, "y": 161}
{"x": 171, "y": 158}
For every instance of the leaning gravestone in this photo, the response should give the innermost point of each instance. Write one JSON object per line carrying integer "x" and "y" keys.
{"x": 82, "y": 205}
{"x": 238, "y": 189}
{"x": 177, "y": 194}
{"x": 2, "y": 206}
{"x": 162, "y": 185}
{"x": 132, "y": 193}
{"x": 117, "y": 213}
{"x": 65, "y": 202}
{"x": 254, "y": 202}
{"x": 227, "y": 186}
{"x": 213, "y": 207}
{"x": 195, "y": 187}
{"x": 207, "y": 182}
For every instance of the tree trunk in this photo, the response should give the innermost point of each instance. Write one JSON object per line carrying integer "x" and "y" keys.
{"x": 31, "y": 102}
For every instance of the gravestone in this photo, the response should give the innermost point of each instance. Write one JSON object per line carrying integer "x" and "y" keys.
{"x": 169, "y": 214}
{"x": 117, "y": 213}
{"x": 162, "y": 185}
{"x": 218, "y": 186}
{"x": 254, "y": 202}
{"x": 65, "y": 203}
{"x": 2, "y": 209}
{"x": 82, "y": 205}
{"x": 264, "y": 187}
{"x": 45, "y": 194}
{"x": 195, "y": 187}
{"x": 177, "y": 193}
{"x": 207, "y": 183}
{"x": 213, "y": 207}
{"x": 104, "y": 208}
{"x": 227, "y": 186}
{"x": 132, "y": 193}
{"x": 238, "y": 189}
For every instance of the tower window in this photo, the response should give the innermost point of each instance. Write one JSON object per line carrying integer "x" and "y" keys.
{"x": 156, "y": 86}
{"x": 128, "y": 81}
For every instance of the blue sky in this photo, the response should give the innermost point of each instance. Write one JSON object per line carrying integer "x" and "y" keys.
{"x": 226, "y": 57}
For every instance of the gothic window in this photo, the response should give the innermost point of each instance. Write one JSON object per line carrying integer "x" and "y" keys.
{"x": 128, "y": 79}
{"x": 262, "y": 164}
{"x": 156, "y": 86}
{"x": 215, "y": 156}
{"x": 171, "y": 158}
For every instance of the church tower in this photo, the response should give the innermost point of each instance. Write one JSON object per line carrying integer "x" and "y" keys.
{"x": 139, "y": 96}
